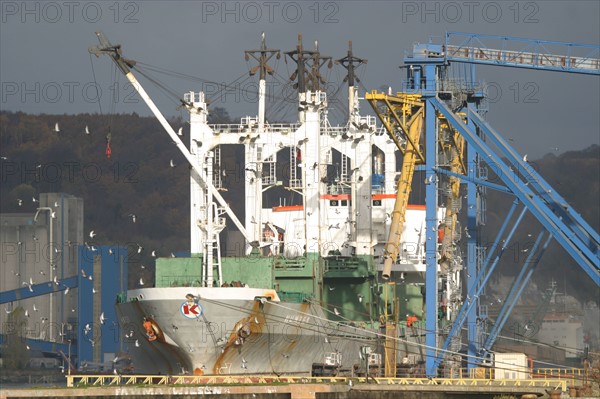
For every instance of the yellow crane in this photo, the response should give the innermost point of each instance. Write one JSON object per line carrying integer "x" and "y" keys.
{"x": 402, "y": 116}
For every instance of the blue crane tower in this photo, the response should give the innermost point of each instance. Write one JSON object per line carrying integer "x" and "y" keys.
{"x": 457, "y": 106}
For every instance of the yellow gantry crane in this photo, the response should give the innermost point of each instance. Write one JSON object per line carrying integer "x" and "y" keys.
{"x": 402, "y": 115}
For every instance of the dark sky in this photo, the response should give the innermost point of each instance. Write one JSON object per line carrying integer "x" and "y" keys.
{"x": 45, "y": 66}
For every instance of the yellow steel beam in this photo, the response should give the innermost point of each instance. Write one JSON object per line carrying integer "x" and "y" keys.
{"x": 403, "y": 102}
{"x": 392, "y": 247}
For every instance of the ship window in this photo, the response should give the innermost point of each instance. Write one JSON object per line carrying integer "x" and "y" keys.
{"x": 344, "y": 202}
{"x": 376, "y": 202}
{"x": 333, "y": 203}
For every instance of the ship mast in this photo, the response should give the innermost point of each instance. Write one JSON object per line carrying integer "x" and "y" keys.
{"x": 262, "y": 56}
{"x": 350, "y": 62}
{"x": 310, "y": 159}
{"x": 253, "y": 147}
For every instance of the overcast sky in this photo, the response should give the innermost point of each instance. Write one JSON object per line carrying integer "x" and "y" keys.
{"x": 45, "y": 66}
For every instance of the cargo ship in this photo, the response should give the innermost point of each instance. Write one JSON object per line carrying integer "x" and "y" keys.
{"x": 310, "y": 291}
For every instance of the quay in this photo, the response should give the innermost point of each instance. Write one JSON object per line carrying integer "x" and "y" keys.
{"x": 275, "y": 387}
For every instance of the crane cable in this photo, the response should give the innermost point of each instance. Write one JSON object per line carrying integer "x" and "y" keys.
{"x": 108, "y": 150}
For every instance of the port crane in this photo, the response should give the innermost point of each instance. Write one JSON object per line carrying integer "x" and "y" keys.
{"x": 454, "y": 126}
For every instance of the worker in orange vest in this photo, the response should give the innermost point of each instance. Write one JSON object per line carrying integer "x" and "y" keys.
{"x": 410, "y": 320}
{"x": 149, "y": 329}
{"x": 440, "y": 233}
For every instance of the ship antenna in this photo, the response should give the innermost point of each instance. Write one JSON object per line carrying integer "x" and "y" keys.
{"x": 350, "y": 62}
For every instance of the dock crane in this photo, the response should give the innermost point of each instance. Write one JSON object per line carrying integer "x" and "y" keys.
{"x": 457, "y": 107}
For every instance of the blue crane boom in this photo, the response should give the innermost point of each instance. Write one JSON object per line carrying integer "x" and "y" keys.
{"x": 522, "y": 53}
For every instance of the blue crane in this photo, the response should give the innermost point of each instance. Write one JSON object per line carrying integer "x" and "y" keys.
{"x": 427, "y": 75}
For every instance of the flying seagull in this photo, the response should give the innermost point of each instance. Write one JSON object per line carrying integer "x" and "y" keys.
{"x": 87, "y": 130}
{"x": 56, "y": 128}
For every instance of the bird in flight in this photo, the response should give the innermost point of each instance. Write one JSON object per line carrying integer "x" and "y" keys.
{"x": 87, "y": 130}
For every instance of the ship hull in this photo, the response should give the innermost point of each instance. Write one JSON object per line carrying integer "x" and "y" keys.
{"x": 233, "y": 334}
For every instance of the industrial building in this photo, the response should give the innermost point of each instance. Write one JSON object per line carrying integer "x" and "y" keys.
{"x": 55, "y": 279}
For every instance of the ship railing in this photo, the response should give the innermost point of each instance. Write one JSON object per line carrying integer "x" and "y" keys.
{"x": 249, "y": 125}
{"x": 283, "y": 263}
{"x": 178, "y": 281}
{"x": 296, "y": 297}
{"x": 332, "y": 263}
{"x": 337, "y": 189}
{"x": 336, "y": 130}
{"x": 296, "y": 183}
